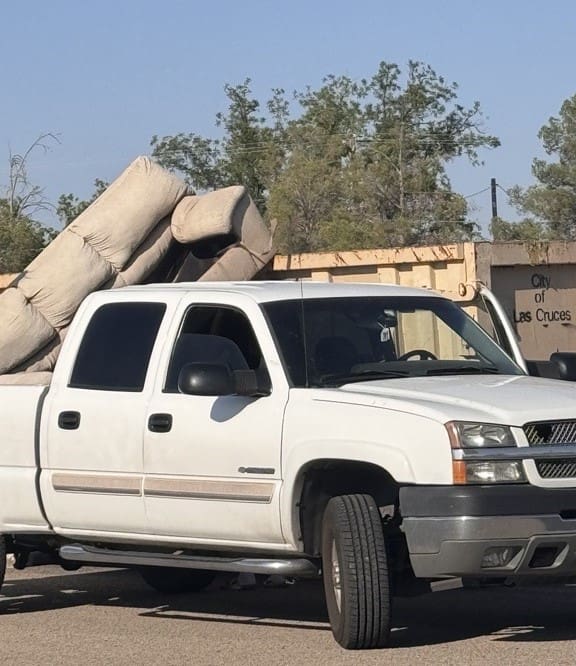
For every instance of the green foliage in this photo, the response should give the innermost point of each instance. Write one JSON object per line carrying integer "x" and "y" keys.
{"x": 21, "y": 239}
{"x": 249, "y": 152}
{"x": 197, "y": 159}
{"x": 380, "y": 147}
{"x": 551, "y": 202}
{"x": 525, "y": 230}
{"x": 360, "y": 164}
{"x": 70, "y": 206}
{"x": 21, "y": 236}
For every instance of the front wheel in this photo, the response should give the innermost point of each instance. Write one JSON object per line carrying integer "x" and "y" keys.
{"x": 2, "y": 560}
{"x": 355, "y": 571}
{"x": 176, "y": 581}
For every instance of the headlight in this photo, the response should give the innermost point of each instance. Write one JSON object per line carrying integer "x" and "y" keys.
{"x": 464, "y": 435}
{"x": 486, "y": 466}
{"x": 490, "y": 471}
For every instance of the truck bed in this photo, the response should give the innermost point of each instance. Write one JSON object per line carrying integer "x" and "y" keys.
{"x": 20, "y": 425}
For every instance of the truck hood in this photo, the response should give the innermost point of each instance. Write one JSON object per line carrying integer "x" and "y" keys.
{"x": 506, "y": 399}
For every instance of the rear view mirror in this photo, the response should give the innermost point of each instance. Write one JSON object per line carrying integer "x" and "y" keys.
{"x": 388, "y": 319}
{"x": 565, "y": 362}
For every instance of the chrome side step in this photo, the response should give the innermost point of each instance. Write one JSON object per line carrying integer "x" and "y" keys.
{"x": 256, "y": 565}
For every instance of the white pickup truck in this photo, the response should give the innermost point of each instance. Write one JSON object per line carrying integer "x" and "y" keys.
{"x": 374, "y": 434}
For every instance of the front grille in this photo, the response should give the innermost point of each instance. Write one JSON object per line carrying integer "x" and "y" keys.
{"x": 549, "y": 433}
{"x": 556, "y": 469}
{"x": 553, "y": 433}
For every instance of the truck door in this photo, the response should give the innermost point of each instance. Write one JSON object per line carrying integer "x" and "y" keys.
{"x": 92, "y": 467}
{"x": 212, "y": 463}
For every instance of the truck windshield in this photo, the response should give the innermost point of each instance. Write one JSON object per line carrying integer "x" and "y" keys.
{"x": 335, "y": 341}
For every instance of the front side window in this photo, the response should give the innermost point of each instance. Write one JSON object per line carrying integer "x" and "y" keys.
{"x": 220, "y": 335}
{"x": 115, "y": 351}
{"x": 331, "y": 341}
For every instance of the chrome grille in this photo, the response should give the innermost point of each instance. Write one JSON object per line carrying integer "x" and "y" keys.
{"x": 548, "y": 433}
{"x": 556, "y": 469}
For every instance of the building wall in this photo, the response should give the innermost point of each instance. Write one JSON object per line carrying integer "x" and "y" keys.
{"x": 536, "y": 282}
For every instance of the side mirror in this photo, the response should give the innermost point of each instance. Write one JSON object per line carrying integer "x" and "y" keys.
{"x": 206, "y": 379}
{"x": 217, "y": 380}
{"x": 249, "y": 384}
{"x": 565, "y": 362}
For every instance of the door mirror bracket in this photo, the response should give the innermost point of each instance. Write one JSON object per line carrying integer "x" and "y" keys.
{"x": 215, "y": 379}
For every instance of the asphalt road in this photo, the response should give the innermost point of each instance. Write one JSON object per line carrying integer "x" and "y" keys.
{"x": 48, "y": 616}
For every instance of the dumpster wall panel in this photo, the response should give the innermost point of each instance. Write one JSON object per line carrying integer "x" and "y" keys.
{"x": 449, "y": 269}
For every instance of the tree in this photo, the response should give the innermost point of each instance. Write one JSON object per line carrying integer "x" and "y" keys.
{"x": 550, "y": 204}
{"x": 70, "y": 206}
{"x": 243, "y": 156}
{"x": 360, "y": 163}
{"x": 525, "y": 230}
{"x": 21, "y": 236}
{"x": 386, "y": 142}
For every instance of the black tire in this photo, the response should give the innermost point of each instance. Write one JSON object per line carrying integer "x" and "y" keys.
{"x": 355, "y": 571}
{"x": 2, "y": 560}
{"x": 176, "y": 581}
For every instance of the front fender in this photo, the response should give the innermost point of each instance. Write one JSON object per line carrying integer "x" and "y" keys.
{"x": 410, "y": 447}
{"x": 389, "y": 459}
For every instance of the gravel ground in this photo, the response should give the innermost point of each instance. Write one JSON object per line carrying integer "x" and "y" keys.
{"x": 48, "y": 616}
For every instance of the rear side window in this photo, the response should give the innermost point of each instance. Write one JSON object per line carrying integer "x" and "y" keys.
{"x": 116, "y": 348}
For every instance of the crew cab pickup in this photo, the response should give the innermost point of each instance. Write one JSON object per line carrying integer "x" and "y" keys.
{"x": 371, "y": 434}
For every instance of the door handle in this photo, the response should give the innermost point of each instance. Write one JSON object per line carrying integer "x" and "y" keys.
{"x": 69, "y": 420}
{"x": 160, "y": 422}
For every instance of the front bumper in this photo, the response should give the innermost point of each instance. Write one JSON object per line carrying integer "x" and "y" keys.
{"x": 465, "y": 530}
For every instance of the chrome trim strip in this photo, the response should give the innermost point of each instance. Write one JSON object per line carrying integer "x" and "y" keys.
{"x": 288, "y": 567}
{"x": 97, "y": 484}
{"x": 176, "y": 487}
{"x": 209, "y": 489}
{"x": 208, "y": 496}
{"x": 516, "y": 453}
{"x": 426, "y": 534}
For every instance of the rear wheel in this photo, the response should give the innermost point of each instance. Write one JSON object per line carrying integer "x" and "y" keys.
{"x": 2, "y": 560}
{"x": 176, "y": 581}
{"x": 355, "y": 571}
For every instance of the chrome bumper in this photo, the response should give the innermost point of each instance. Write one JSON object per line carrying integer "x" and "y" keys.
{"x": 535, "y": 545}
{"x": 516, "y": 530}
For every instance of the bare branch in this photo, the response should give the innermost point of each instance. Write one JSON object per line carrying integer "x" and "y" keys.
{"x": 23, "y": 198}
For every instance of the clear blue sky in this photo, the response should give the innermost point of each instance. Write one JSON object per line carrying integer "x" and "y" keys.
{"x": 108, "y": 75}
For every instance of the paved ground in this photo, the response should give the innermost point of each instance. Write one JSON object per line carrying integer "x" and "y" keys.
{"x": 92, "y": 616}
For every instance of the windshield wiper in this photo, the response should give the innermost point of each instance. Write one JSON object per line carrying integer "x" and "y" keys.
{"x": 338, "y": 380}
{"x": 463, "y": 369}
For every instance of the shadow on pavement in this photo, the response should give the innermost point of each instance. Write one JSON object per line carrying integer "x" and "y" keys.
{"x": 517, "y": 614}
{"x": 300, "y": 605}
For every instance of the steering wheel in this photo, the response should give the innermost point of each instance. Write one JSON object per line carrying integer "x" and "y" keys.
{"x": 421, "y": 354}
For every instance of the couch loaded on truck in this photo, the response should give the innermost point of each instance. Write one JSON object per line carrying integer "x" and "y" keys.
{"x": 374, "y": 435}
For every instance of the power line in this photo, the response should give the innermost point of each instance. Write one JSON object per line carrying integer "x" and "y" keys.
{"x": 475, "y": 194}
{"x": 506, "y": 192}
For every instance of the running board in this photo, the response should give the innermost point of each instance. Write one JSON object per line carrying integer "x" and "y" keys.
{"x": 255, "y": 565}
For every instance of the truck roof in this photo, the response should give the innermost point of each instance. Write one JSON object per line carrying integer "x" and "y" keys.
{"x": 265, "y": 291}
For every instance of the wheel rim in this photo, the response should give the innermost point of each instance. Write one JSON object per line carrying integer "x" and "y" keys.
{"x": 336, "y": 580}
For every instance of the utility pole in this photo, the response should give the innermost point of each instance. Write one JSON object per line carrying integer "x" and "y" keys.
{"x": 494, "y": 200}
